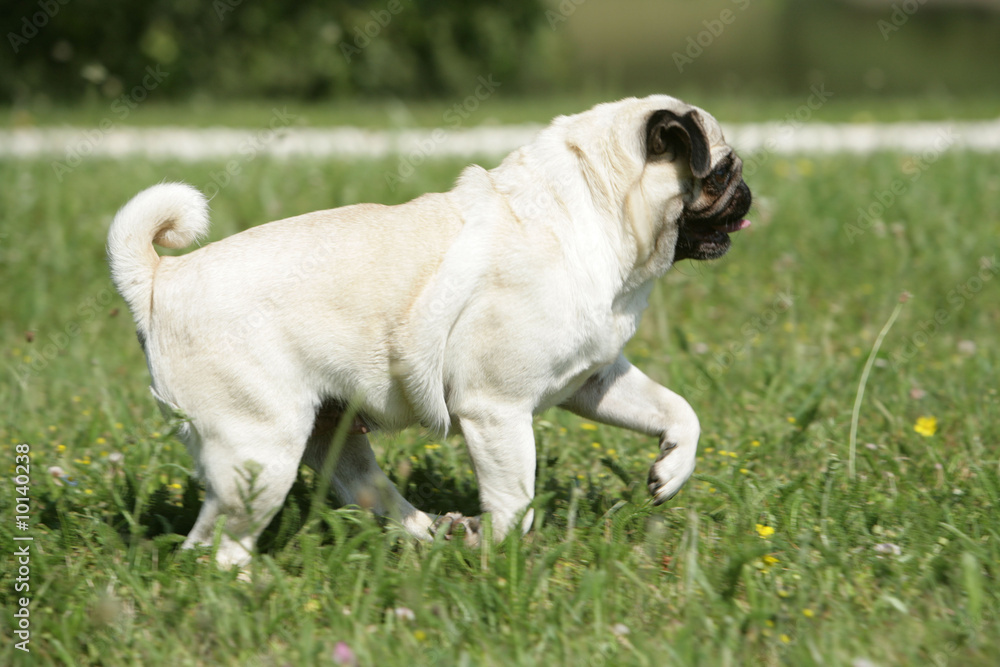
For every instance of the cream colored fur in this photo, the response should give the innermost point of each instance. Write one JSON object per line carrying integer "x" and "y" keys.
{"x": 467, "y": 311}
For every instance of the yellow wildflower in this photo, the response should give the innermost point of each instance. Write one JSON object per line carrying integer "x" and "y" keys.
{"x": 926, "y": 426}
{"x": 765, "y": 531}
{"x": 588, "y": 427}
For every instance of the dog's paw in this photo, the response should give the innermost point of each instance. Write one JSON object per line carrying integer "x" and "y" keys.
{"x": 669, "y": 472}
{"x": 454, "y": 524}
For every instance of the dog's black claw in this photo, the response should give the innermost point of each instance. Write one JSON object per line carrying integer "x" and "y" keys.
{"x": 653, "y": 479}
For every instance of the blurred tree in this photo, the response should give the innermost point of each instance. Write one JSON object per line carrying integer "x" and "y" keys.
{"x": 74, "y": 49}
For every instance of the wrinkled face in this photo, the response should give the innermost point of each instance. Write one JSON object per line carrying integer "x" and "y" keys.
{"x": 716, "y": 197}
{"x": 717, "y": 209}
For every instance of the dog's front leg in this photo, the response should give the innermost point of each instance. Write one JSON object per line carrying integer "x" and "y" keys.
{"x": 621, "y": 395}
{"x": 502, "y": 445}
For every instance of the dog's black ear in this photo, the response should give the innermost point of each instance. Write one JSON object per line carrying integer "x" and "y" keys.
{"x": 669, "y": 134}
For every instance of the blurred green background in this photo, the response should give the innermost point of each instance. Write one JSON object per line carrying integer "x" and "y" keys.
{"x": 64, "y": 53}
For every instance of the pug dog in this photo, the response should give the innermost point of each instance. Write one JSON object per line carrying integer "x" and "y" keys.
{"x": 468, "y": 312}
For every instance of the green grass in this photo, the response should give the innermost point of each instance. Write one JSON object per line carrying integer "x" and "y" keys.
{"x": 693, "y": 581}
{"x": 502, "y": 108}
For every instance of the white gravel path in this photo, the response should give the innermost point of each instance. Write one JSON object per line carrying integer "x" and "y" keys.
{"x": 72, "y": 144}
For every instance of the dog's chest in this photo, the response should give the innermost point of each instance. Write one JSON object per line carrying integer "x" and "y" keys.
{"x": 598, "y": 344}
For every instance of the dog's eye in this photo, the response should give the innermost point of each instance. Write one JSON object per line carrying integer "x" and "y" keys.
{"x": 719, "y": 176}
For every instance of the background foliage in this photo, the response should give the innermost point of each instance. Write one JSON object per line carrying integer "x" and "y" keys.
{"x": 85, "y": 50}
{"x": 251, "y": 49}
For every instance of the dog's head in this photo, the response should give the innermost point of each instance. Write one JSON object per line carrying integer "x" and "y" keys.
{"x": 663, "y": 169}
{"x": 717, "y": 198}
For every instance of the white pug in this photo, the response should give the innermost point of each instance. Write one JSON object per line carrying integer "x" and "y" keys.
{"x": 468, "y": 311}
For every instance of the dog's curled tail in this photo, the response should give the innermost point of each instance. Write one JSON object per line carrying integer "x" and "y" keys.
{"x": 172, "y": 215}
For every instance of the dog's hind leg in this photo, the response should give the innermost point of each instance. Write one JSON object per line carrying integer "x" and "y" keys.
{"x": 356, "y": 477}
{"x": 248, "y": 468}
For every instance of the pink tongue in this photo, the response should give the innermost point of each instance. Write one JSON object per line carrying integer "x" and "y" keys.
{"x": 734, "y": 226}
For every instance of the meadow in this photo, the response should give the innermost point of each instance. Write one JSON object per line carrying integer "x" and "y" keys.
{"x": 789, "y": 546}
